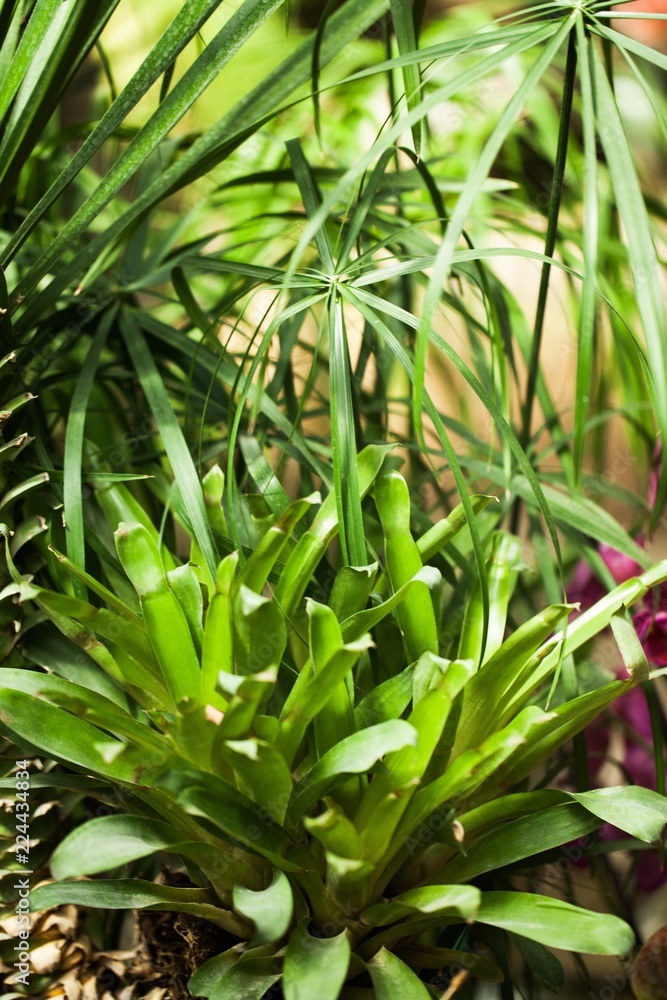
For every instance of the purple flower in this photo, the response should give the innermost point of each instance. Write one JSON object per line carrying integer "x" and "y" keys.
{"x": 620, "y": 566}
{"x": 631, "y": 710}
{"x": 652, "y": 631}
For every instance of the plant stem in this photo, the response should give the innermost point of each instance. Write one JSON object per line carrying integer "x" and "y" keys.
{"x": 552, "y": 232}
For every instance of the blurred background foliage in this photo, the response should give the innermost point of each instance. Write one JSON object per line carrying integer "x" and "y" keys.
{"x": 196, "y": 275}
{"x": 169, "y": 296}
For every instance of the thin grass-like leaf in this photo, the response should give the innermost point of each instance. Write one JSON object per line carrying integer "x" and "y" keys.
{"x": 213, "y": 146}
{"x": 590, "y": 241}
{"x": 62, "y": 45}
{"x": 551, "y": 235}
{"x": 365, "y": 308}
{"x": 182, "y": 464}
{"x": 502, "y": 426}
{"x": 346, "y": 480}
{"x": 243, "y": 23}
{"x": 641, "y": 250}
{"x": 404, "y": 26}
{"x": 72, "y": 472}
{"x": 478, "y": 175}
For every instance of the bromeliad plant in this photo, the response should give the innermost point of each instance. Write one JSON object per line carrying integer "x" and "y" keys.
{"x": 338, "y": 758}
{"x": 17, "y": 481}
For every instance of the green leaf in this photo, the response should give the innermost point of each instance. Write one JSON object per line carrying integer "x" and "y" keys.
{"x": 95, "y": 707}
{"x": 99, "y": 589}
{"x": 589, "y": 624}
{"x": 556, "y": 728}
{"x": 343, "y": 440}
{"x": 428, "y": 578}
{"x": 520, "y": 839}
{"x": 49, "y": 649}
{"x": 351, "y": 590}
{"x": 246, "y": 695}
{"x": 587, "y": 315}
{"x": 307, "y": 699}
{"x": 62, "y": 735}
{"x": 637, "y": 811}
{"x": 556, "y": 923}
{"x": 213, "y": 485}
{"x": 393, "y": 978}
{"x": 174, "y": 442}
{"x": 445, "y": 530}
{"x": 311, "y": 200}
{"x": 389, "y": 795}
{"x": 218, "y": 141}
{"x": 111, "y": 841}
{"x": 433, "y": 900}
{"x": 311, "y": 547}
{"x": 324, "y": 634}
{"x": 219, "y": 50}
{"x": 179, "y": 32}
{"x": 555, "y": 198}
{"x": 23, "y": 487}
{"x": 207, "y": 976}
{"x": 434, "y": 673}
{"x": 415, "y": 613}
{"x": 367, "y": 311}
{"x": 420, "y": 956}
{"x": 516, "y": 41}
{"x": 631, "y": 649}
{"x": 183, "y": 581}
{"x": 260, "y": 564}
{"x": 640, "y": 247}
{"x": 571, "y": 511}
{"x": 72, "y": 473}
{"x": 356, "y": 754}
{"x": 469, "y": 771}
{"x": 249, "y": 979}
{"x": 260, "y": 632}
{"x": 132, "y": 894}
{"x": 218, "y": 642}
{"x": 499, "y": 674}
{"x": 59, "y": 779}
{"x": 263, "y": 475}
{"x": 335, "y": 720}
{"x": 386, "y": 701}
{"x": 56, "y": 50}
{"x": 466, "y": 200}
{"x": 119, "y": 668}
{"x": 122, "y": 631}
{"x": 335, "y": 832}
{"x": 262, "y": 774}
{"x": 315, "y": 966}
{"x": 40, "y": 22}
{"x": 504, "y": 563}
{"x": 270, "y": 909}
{"x": 209, "y": 796}
{"x": 404, "y": 26}
{"x": 363, "y": 207}
{"x": 164, "y": 618}
{"x": 542, "y": 963}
